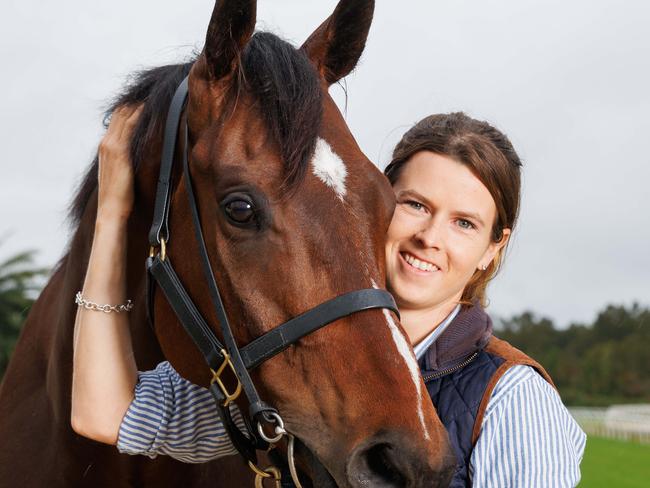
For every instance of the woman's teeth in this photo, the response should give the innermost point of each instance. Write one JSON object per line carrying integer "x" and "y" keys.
{"x": 416, "y": 263}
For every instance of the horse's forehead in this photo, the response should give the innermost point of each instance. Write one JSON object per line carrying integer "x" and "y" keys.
{"x": 237, "y": 143}
{"x": 328, "y": 166}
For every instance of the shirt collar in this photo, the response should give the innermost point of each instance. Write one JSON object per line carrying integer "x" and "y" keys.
{"x": 424, "y": 344}
{"x": 468, "y": 332}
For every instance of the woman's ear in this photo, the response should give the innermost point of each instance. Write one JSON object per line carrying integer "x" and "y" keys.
{"x": 494, "y": 249}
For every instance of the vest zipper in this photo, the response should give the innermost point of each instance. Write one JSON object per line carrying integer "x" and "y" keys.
{"x": 438, "y": 374}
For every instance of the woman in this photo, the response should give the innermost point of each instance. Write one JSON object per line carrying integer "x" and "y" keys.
{"x": 457, "y": 184}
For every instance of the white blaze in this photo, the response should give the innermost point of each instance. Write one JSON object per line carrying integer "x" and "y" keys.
{"x": 407, "y": 353}
{"x": 329, "y": 167}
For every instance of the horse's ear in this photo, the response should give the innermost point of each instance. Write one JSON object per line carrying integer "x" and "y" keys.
{"x": 336, "y": 46}
{"x": 231, "y": 27}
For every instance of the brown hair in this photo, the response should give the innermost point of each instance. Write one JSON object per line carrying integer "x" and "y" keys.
{"x": 489, "y": 155}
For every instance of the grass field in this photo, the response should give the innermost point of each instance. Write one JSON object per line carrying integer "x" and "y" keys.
{"x": 615, "y": 464}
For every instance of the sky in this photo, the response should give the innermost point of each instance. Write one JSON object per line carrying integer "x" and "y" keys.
{"x": 567, "y": 81}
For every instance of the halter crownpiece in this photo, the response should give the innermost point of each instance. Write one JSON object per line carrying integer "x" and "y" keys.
{"x": 218, "y": 356}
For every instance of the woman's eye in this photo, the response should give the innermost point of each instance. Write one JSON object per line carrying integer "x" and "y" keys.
{"x": 465, "y": 224}
{"x": 240, "y": 211}
{"x": 415, "y": 205}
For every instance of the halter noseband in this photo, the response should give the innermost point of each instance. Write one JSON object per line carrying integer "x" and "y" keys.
{"x": 218, "y": 356}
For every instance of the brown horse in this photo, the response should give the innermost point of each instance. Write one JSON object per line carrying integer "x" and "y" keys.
{"x": 262, "y": 130}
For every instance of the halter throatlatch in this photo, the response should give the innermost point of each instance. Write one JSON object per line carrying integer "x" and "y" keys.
{"x": 218, "y": 356}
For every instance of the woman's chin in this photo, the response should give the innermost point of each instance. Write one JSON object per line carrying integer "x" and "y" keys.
{"x": 410, "y": 295}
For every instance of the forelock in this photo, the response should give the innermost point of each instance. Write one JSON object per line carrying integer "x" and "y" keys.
{"x": 286, "y": 87}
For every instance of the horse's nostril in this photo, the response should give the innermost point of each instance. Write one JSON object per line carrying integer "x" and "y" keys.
{"x": 392, "y": 460}
{"x": 381, "y": 465}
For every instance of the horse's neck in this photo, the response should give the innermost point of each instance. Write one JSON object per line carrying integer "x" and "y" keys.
{"x": 145, "y": 344}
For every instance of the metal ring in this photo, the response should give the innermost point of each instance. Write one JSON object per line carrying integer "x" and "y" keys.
{"x": 279, "y": 429}
{"x": 216, "y": 378}
{"x": 162, "y": 252}
{"x": 259, "y": 471}
{"x": 163, "y": 249}
{"x": 270, "y": 473}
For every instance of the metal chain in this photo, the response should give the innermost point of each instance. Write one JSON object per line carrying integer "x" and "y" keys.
{"x": 88, "y": 305}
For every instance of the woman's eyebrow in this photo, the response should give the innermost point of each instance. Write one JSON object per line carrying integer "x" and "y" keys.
{"x": 414, "y": 194}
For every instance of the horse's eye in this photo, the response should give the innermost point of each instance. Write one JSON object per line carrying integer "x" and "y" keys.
{"x": 240, "y": 211}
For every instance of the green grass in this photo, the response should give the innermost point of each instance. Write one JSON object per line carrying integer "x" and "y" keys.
{"x": 615, "y": 464}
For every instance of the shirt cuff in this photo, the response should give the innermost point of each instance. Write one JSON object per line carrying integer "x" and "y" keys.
{"x": 143, "y": 419}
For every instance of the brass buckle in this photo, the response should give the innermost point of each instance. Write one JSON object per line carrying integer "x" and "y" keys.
{"x": 261, "y": 474}
{"x": 163, "y": 250}
{"x": 216, "y": 378}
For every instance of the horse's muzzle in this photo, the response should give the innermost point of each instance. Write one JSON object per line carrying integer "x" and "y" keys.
{"x": 389, "y": 460}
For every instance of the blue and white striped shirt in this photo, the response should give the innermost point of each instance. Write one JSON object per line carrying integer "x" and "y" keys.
{"x": 169, "y": 415}
{"x": 528, "y": 437}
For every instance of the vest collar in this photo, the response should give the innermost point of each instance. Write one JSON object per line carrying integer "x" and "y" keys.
{"x": 468, "y": 332}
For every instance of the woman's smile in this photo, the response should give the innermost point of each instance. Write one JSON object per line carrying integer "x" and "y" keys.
{"x": 417, "y": 264}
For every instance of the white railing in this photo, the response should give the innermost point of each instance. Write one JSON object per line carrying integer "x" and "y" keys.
{"x": 625, "y": 422}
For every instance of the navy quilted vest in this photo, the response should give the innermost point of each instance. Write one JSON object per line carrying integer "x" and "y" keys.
{"x": 456, "y": 370}
{"x": 457, "y": 396}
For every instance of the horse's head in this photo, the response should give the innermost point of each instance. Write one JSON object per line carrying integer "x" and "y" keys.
{"x": 293, "y": 215}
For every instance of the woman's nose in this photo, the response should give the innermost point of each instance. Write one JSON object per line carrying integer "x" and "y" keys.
{"x": 430, "y": 235}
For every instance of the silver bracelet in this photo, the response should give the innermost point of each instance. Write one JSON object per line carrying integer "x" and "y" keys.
{"x": 88, "y": 305}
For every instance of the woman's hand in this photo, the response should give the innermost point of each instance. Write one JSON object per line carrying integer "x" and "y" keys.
{"x": 115, "y": 200}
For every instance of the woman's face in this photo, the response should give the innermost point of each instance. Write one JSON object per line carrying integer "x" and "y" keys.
{"x": 440, "y": 232}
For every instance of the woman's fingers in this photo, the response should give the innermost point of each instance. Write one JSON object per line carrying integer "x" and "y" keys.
{"x": 123, "y": 121}
{"x": 128, "y": 116}
{"x": 115, "y": 166}
{"x": 114, "y": 146}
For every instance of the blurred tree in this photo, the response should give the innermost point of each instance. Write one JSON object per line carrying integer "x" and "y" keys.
{"x": 536, "y": 336}
{"x": 19, "y": 285}
{"x": 599, "y": 364}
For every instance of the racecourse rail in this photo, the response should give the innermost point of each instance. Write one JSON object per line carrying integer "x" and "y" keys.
{"x": 623, "y": 422}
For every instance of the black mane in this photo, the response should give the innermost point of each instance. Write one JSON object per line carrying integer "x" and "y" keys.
{"x": 281, "y": 79}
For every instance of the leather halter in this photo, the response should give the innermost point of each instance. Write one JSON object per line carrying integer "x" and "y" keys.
{"x": 217, "y": 355}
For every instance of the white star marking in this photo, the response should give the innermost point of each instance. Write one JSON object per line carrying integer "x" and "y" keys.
{"x": 329, "y": 167}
